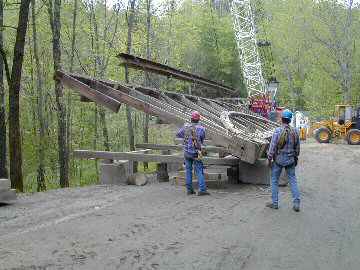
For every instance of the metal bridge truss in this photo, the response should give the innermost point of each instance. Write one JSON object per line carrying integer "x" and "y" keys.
{"x": 245, "y": 134}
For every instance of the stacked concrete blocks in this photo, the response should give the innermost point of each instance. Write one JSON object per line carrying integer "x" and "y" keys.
{"x": 120, "y": 172}
{"x": 7, "y": 195}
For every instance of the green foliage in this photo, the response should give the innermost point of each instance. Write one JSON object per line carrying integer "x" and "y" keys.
{"x": 310, "y": 47}
{"x": 195, "y": 36}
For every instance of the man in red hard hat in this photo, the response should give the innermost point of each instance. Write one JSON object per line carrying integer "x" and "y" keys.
{"x": 194, "y": 135}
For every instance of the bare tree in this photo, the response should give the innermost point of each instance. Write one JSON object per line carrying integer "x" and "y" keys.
{"x": 73, "y": 35}
{"x": 103, "y": 54}
{"x": 3, "y": 168}
{"x": 130, "y": 22}
{"x": 337, "y": 40}
{"x": 102, "y": 112}
{"x": 41, "y": 185}
{"x": 54, "y": 9}
{"x": 14, "y": 82}
{"x": 147, "y": 75}
{"x": 69, "y": 94}
{"x": 171, "y": 10}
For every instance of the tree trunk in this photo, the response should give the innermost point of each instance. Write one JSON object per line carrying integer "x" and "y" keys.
{"x": 41, "y": 185}
{"x": 54, "y": 15}
{"x": 170, "y": 32}
{"x": 97, "y": 67}
{"x": 100, "y": 67}
{"x": 104, "y": 129}
{"x": 96, "y": 137}
{"x": 130, "y": 21}
{"x": 69, "y": 100}
{"x": 73, "y": 36}
{"x": 348, "y": 55}
{"x": 147, "y": 75}
{"x": 169, "y": 46}
{"x": 3, "y": 168}
{"x": 16, "y": 175}
{"x": 102, "y": 112}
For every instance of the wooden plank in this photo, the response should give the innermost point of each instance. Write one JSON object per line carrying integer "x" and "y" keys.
{"x": 140, "y": 157}
{"x": 87, "y": 92}
{"x": 180, "y": 141}
{"x": 143, "y": 151}
{"x": 209, "y": 148}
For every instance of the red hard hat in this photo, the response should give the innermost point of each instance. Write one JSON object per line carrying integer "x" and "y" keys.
{"x": 195, "y": 116}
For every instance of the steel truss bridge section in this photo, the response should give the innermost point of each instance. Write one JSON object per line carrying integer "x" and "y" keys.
{"x": 244, "y": 134}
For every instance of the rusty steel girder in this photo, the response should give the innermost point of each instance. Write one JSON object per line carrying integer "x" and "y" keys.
{"x": 154, "y": 67}
{"x": 245, "y": 134}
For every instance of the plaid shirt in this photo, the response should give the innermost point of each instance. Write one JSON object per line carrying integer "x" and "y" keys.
{"x": 200, "y": 136}
{"x": 284, "y": 156}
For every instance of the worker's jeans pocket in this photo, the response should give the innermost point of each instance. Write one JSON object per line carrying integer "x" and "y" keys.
{"x": 284, "y": 159}
{"x": 190, "y": 155}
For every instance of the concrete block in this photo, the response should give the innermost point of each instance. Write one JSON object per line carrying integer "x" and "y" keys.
{"x": 116, "y": 173}
{"x": 7, "y": 196}
{"x": 257, "y": 174}
{"x": 4, "y": 184}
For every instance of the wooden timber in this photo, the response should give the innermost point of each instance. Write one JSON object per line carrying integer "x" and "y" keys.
{"x": 178, "y": 147}
{"x": 180, "y": 141}
{"x": 141, "y": 157}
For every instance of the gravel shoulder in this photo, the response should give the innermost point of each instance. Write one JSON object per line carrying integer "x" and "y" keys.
{"x": 158, "y": 227}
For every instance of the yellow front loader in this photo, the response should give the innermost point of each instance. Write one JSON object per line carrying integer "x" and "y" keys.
{"x": 344, "y": 126}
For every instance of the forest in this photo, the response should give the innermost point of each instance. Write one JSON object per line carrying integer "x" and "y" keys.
{"x": 314, "y": 55}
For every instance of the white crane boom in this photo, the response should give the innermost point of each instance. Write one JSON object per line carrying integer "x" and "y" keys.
{"x": 245, "y": 35}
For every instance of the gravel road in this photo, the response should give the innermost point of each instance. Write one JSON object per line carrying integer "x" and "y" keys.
{"x": 159, "y": 227}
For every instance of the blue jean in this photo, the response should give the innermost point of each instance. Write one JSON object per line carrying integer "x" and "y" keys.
{"x": 275, "y": 175}
{"x": 199, "y": 171}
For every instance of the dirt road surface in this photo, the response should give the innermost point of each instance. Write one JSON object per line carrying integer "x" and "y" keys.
{"x": 159, "y": 227}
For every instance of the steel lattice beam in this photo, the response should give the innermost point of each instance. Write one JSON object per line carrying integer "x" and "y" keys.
{"x": 245, "y": 35}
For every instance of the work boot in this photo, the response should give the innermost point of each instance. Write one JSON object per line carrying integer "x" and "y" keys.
{"x": 296, "y": 208}
{"x": 272, "y": 206}
{"x": 203, "y": 193}
{"x": 190, "y": 192}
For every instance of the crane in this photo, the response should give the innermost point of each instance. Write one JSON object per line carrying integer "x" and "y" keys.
{"x": 260, "y": 95}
